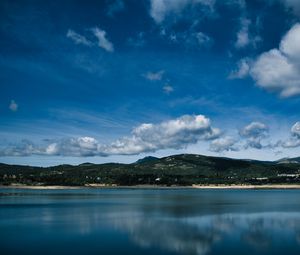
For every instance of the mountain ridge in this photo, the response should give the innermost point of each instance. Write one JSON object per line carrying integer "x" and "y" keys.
{"x": 180, "y": 169}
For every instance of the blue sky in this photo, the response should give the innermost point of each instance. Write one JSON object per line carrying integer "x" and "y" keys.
{"x": 118, "y": 80}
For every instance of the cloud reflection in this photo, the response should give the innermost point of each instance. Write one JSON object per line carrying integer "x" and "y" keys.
{"x": 198, "y": 235}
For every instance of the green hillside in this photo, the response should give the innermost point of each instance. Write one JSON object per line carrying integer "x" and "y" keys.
{"x": 185, "y": 169}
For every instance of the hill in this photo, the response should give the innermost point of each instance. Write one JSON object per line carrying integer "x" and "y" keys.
{"x": 289, "y": 160}
{"x": 184, "y": 169}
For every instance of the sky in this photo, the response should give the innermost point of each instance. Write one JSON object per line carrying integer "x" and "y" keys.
{"x": 118, "y": 80}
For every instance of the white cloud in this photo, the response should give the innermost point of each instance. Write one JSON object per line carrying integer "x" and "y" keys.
{"x": 25, "y": 148}
{"x": 161, "y": 8}
{"x": 75, "y": 147}
{"x": 290, "y": 143}
{"x": 154, "y": 76}
{"x": 78, "y": 147}
{"x": 254, "y": 133}
{"x": 243, "y": 34}
{"x": 103, "y": 42}
{"x": 148, "y": 137}
{"x": 295, "y": 130}
{"x": 168, "y": 89}
{"x": 279, "y": 69}
{"x": 254, "y": 129}
{"x": 273, "y": 71}
{"x": 290, "y": 44}
{"x": 294, "y": 140}
{"x": 242, "y": 70}
{"x": 172, "y": 134}
{"x": 221, "y": 144}
{"x": 77, "y": 38}
{"x": 13, "y": 106}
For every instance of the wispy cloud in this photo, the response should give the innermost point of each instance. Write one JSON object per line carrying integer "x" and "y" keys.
{"x": 161, "y": 8}
{"x": 203, "y": 39}
{"x": 103, "y": 41}
{"x": 101, "y": 35}
{"x": 243, "y": 34}
{"x": 78, "y": 38}
{"x": 242, "y": 70}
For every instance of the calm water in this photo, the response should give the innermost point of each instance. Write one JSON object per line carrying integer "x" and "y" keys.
{"x": 124, "y": 221}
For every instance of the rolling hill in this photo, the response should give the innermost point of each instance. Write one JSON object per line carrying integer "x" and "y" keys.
{"x": 184, "y": 169}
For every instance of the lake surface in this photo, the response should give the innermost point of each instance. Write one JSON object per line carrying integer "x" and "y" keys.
{"x": 141, "y": 221}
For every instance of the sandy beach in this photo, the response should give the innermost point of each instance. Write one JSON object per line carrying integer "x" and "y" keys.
{"x": 268, "y": 186}
{"x": 194, "y": 186}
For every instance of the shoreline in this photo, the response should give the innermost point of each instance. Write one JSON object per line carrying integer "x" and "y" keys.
{"x": 194, "y": 186}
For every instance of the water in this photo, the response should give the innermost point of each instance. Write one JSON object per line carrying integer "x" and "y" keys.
{"x": 136, "y": 221}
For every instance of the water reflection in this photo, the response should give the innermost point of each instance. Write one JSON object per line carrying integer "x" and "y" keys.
{"x": 199, "y": 234}
{"x": 152, "y": 222}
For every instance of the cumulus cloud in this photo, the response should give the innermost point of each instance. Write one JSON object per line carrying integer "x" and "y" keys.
{"x": 13, "y": 106}
{"x": 254, "y": 133}
{"x": 295, "y": 130}
{"x": 159, "y": 9}
{"x": 175, "y": 134}
{"x": 290, "y": 44}
{"x": 222, "y": 144}
{"x": 273, "y": 71}
{"x": 77, "y": 38}
{"x": 294, "y": 140}
{"x": 279, "y": 69}
{"x": 148, "y": 137}
{"x": 78, "y": 147}
{"x": 103, "y": 42}
{"x": 154, "y": 76}
{"x": 254, "y": 129}
{"x": 290, "y": 143}
{"x": 24, "y": 148}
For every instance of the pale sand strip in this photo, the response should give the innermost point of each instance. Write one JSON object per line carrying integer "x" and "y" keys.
{"x": 21, "y": 186}
{"x": 194, "y": 186}
{"x": 268, "y": 186}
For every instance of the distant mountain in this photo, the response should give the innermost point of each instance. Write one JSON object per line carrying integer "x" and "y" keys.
{"x": 183, "y": 169}
{"x": 146, "y": 159}
{"x": 288, "y": 161}
{"x": 86, "y": 164}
